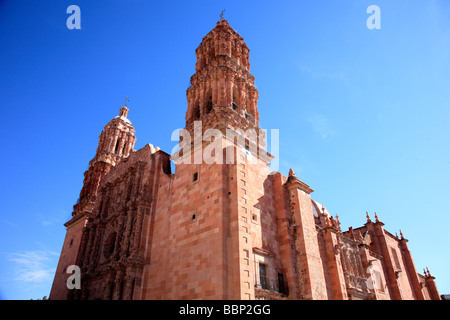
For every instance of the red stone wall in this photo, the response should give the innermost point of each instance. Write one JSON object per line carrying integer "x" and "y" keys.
{"x": 68, "y": 257}
{"x": 188, "y": 249}
{"x": 403, "y": 277}
{"x": 211, "y": 231}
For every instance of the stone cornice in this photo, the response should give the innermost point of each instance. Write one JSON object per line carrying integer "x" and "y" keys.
{"x": 76, "y": 218}
{"x": 263, "y": 251}
{"x": 293, "y": 181}
{"x": 222, "y": 61}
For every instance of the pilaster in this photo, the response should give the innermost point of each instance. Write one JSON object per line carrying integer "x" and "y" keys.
{"x": 411, "y": 269}
{"x": 309, "y": 264}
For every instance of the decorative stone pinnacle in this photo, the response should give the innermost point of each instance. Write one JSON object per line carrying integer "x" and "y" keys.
{"x": 352, "y": 234}
{"x": 327, "y": 222}
{"x": 294, "y": 181}
{"x": 376, "y": 218}
{"x": 401, "y": 234}
{"x": 367, "y": 216}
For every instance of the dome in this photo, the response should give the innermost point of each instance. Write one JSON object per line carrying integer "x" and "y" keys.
{"x": 318, "y": 207}
{"x": 127, "y": 121}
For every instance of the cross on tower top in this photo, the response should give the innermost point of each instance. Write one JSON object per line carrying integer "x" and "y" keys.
{"x": 124, "y": 109}
{"x": 221, "y": 14}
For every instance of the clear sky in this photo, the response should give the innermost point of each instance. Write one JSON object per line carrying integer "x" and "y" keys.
{"x": 363, "y": 114}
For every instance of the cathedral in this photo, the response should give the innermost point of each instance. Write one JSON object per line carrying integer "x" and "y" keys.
{"x": 224, "y": 229}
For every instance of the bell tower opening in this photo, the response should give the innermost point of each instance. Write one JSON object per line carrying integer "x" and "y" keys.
{"x": 222, "y": 82}
{"x": 209, "y": 104}
{"x": 197, "y": 113}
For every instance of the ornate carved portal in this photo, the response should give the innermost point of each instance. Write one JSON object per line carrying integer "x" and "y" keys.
{"x": 354, "y": 273}
{"x": 111, "y": 255}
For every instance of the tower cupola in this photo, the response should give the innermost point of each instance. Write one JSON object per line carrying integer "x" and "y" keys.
{"x": 117, "y": 139}
{"x": 222, "y": 93}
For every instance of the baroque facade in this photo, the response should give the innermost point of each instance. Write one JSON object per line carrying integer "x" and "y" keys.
{"x": 220, "y": 230}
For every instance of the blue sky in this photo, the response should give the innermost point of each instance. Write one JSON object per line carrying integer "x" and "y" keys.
{"x": 363, "y": 114}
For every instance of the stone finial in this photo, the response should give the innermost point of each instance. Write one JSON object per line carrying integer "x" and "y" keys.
{"x": 337, "y": 223}
{"x": 401, "y": 235}
{"x": 291, "y": 173}
{"x": 367, "y": 216}
{"x": 327, "y": 221}
{"x": 376, "y": 218}
{"x": 428, "y": 271}
{"x": 352, "y": 234}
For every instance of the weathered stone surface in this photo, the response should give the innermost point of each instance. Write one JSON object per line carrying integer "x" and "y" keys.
{"x": 220, "y": 231}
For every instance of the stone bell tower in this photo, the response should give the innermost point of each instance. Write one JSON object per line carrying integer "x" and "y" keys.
{"x": 222, "y": 92}
{"x": 222, "y": 95}
{"x": 223, "y": 225}
{"x": 116, "y": 142}
{"x": 226, "y": 198}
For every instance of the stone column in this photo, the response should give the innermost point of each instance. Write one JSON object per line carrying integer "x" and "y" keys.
{"x": 83, "y": 244}
{"x": 334, "y": 261}
{"x": 411, "y": 269}
{"x": 128, "y": 284}
{"x": 366, "y": 263}
{"x": 380, "y": 238}
{"x": 309, "y": 263}
{"x": 95, "y": 251}
{"x": 127, "y": 232}
{"x": 109, "y": 280}
{"x": 87, "y": 252}
{"x": 126, "y": 149}
{"x": 137, "y": 232}
{"x": 286, "y": 237}
{"x": 431, "y": 286}
{"x": 120, "y": 150}
{"x": 118, "y": 286}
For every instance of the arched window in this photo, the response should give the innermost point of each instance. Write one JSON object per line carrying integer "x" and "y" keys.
{"x": 117, "y": 145}
{"x": 235, "y": 105}
{"x": 212, "y": 52}
{"x": 196, "y": 113}
{"x": 209, "y": 105}
{"x": 108, "y": 247}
